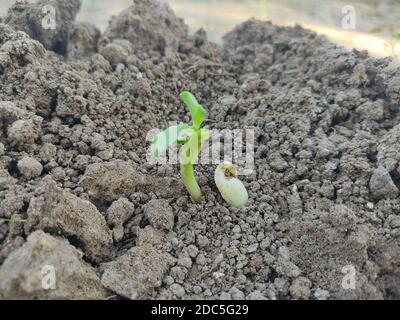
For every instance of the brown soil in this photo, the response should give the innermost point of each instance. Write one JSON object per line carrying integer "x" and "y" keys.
{"x": 75, "y": 108}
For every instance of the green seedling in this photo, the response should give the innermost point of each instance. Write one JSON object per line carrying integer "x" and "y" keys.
{"x": 9, "y": 220}
{"x": 191, "y": 137}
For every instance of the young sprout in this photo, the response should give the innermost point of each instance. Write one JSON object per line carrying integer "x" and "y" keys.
{"x": 191, "y": 137}
{"x": 9, "y": 220}
{"x": 231, "y": 188}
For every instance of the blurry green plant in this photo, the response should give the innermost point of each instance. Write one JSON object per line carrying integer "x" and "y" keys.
{"x": 9, "y": 220}
{"x": 191, "y": 137}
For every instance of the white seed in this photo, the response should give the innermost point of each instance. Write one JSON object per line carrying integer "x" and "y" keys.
{"x": 231, "y": 188}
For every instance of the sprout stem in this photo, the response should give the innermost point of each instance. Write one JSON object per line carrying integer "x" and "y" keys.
{"x": 9, "y": 220}
{"x": 190, "y": 181}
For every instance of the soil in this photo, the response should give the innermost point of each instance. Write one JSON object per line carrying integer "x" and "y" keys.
{"x": 75, "y": 109}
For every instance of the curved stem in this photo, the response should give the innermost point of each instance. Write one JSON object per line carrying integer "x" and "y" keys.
{"x": 190, "y": 181}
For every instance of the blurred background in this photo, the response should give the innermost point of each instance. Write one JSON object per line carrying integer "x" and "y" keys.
{"x": 376, "y": 29}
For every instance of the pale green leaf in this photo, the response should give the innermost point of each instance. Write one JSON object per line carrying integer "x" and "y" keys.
{"x": 166, "y": 138}
{"x": 196, "y": 110}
